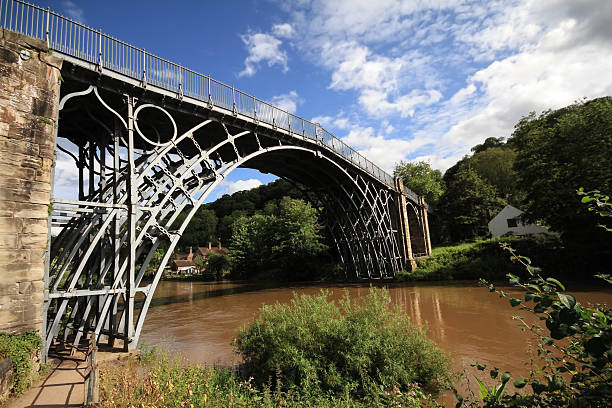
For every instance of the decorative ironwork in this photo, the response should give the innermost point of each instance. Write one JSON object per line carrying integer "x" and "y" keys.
{"x": 151, "y": 140}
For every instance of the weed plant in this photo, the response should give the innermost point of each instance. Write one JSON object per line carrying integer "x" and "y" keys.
{"x": 21, "y": 349}
{"x": 165, "y": 380}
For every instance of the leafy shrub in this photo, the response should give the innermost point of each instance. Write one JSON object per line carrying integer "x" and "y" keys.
{"x": 575, "y": 348}
{"x": 20, "y": 349}
{"x": 348, "y": 348}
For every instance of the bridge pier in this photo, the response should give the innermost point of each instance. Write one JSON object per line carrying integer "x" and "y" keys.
{"x": 414, "y": 226}
{"x": 29, "y": 92}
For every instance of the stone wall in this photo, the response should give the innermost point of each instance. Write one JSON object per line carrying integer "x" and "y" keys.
{"x": 29, "y": 92}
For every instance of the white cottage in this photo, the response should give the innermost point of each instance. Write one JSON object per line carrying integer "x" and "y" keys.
{"x": 509, "y": 220}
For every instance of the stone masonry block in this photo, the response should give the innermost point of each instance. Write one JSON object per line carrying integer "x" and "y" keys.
{"x": 32, "y": 211}
{"x": 33, "y": 241}
{"x": 10, "y": 224}
{"x": 34, "y": 226}
{"x": 17, "y": 146}
{"x": 7, "y": 208}
{"x": 14, "y": 257}
{"x": 8, "y": 240}
{"x": 19, "y": 272}
{"x": 19, "y": 172}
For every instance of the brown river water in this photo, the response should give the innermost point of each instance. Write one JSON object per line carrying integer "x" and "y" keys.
{"x": 199, "y": 319}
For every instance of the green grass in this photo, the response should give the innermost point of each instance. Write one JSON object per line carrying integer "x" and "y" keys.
{"x": 484, "y": 259}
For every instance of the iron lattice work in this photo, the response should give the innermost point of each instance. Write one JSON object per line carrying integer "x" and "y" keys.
{"x": 151, "y": 139}
{"x": 145, "y": 166}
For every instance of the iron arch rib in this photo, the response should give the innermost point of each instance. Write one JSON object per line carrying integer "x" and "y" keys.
{"x": 144, "y": 171}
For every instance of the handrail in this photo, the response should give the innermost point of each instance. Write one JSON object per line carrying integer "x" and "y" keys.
{"x": 77, "y": 40}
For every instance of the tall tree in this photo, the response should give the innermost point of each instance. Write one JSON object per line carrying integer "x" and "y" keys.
{"x": 422, "y": 179}
{"x": 495, "y": 166}
{"x": 287, "y": 241}
{"x": 559, "y": 152}
{"x": 468, "y": 204}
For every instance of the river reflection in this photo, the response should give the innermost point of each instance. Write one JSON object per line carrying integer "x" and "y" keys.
{"x": 199, "y": 319}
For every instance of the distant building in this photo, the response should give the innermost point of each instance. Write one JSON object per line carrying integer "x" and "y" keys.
{"x": 218, "y": 250}
{"x": 510, "y": 220}
{"x": 184, "y": 262}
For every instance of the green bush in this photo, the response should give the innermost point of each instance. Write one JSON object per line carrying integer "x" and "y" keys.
{"x": 20, "y": 348}
{"x": 345, "y": 349}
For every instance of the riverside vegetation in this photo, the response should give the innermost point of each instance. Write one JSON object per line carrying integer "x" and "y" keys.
{"x": 311, "y": 352}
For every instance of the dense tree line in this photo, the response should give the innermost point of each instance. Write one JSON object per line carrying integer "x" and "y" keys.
{"x": 213, "y": 221}
{"x": 537, "y": 169}
{"x": 283, "y": 242}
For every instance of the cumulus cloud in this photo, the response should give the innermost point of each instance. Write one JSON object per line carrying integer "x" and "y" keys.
{"x": 443, "y": 75}
{"x": 288, "y": 101}
{"x": 385, "y": 152}
{"x": 283, "y": 30}
{"x": 74, "y": 12}
{"x": 262, "y": 48}
{"x": 230, "y": 187}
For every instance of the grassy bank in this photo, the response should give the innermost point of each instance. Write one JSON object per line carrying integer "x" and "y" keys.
{"x": 484, "y": 259}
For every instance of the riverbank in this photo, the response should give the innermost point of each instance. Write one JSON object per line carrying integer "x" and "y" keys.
{"x": 485, "y": 259}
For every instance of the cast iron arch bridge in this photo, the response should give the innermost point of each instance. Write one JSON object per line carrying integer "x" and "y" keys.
{"x": 151, "y": 139}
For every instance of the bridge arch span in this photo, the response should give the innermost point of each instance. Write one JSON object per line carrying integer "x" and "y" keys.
{"x": 133, "y": 185}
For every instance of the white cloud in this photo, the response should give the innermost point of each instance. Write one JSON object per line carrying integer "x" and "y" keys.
{"x": 263, "y": 48}
{"x": 382, "y": 151}
{"x": 377, "y": 103}
{"x": 283, "y": 30}
{"x": 74, "y": 12}
{"x": 230, "y": 187}
{"x": 288, "y": 101}
{"x": 446, "y": 74}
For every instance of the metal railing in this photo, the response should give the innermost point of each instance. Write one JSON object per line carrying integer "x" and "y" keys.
{"x": 107, "y": 53}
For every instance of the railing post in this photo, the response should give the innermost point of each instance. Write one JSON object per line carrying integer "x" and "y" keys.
{"x": 209, "y": 94}
{"x": 48, "y": 12}
{"x": 234, "y": 100}
{"x": 180, "y": 85}
{"x": 144, "y": 68}
{"x": 100, "y": 50}
{"x": 254, "y": 109}
{"x": 303, "y": 130}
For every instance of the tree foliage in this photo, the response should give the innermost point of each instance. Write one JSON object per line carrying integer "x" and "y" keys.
{"x": 558, "y": 152}
{"x": 287, "y": 240}
{"x": 468, "y": 204}
{"x": 422, "y": 179}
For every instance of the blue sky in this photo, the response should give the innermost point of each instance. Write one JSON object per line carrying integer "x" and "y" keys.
{"x": 397, "y": 80}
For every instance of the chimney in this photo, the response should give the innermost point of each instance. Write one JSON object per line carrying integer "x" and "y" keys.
{"x": 209, "y": 245}
{"x": 190, "y": 256}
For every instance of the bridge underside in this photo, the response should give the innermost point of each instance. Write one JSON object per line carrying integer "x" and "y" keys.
{"x": 144, "y": 157}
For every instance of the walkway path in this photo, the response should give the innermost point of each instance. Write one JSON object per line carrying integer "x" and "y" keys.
{"x": 62, "y": 387}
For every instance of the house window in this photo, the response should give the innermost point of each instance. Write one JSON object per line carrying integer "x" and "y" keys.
{"x": 512, "y": 222}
